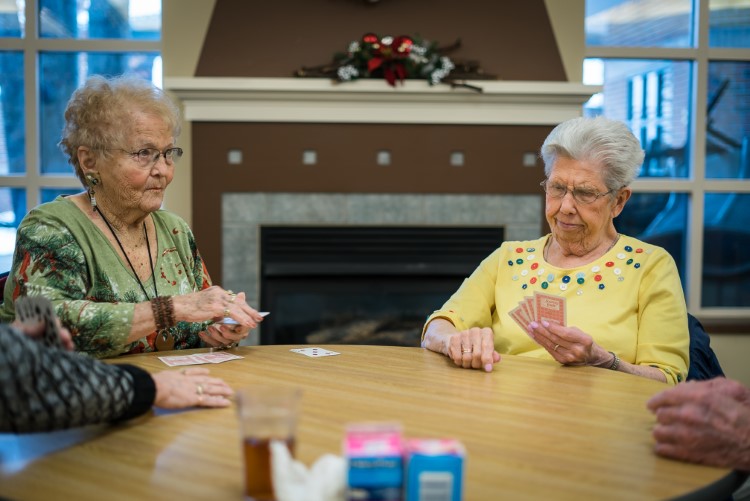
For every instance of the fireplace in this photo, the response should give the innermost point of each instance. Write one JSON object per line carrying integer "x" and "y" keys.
{"x": 362, "y": 284}
{"x": 243, "y": 182}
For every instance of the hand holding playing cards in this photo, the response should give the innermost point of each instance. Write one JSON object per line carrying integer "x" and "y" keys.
{"x": 215, "y": 303}
{"x": 188, "y": 388}
{"x": 568, "y": 345}
{"x": 36, "y": 318}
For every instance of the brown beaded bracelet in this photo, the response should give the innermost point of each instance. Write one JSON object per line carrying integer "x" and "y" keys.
{"x": 163, "y": 310}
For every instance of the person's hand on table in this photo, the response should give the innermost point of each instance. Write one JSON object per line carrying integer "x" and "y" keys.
{"x": 474, "y": 349}
{"x": 190, "y": 387}
{"x": 704, "y": 422}
{"x": 568, "y": 345}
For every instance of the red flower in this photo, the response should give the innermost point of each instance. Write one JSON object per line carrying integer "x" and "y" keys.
{"x": 402, "y": 46}
{"x": 370, "y": 38}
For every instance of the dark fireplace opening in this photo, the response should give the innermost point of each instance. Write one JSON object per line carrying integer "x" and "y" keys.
{"x": 362, "y": 285}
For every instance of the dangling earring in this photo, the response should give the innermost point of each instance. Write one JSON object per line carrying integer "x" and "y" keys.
{"x": 92, "y": 194}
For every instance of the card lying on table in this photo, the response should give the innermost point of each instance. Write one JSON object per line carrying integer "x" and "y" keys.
{"x": 199, "y": 358}
{"x": 314, "y": 352}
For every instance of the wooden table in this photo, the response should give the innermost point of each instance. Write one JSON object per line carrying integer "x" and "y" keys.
{"x": 532, "y": 430}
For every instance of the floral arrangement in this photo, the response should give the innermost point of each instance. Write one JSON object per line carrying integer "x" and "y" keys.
{"x": 395, "y": 59}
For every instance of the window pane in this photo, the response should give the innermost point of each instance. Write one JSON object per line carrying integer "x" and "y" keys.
{"x": 49, "y": 194}
{"x": 12, "y": 117}
{"x": 652, "y": 97}
{"x": 112, "y": 19}
{"x": 728, "y": 121}
{"x": 11, "y": 19}
{"x": 729, "y": 23}
{"x": 639, "y": 23}
{"x": 12, "y": 210}
{"x": 61, "y": 74}
{"x": 726, "y": 250}
{"x": 659, "y": 219}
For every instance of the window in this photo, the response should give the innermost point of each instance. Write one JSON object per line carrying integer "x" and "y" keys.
{"x": 678, "y": 73}
{"x": 47, "y": 49}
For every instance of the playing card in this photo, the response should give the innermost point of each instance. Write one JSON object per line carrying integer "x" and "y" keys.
{"x": 231, "y": 321}
{"x": 177, "y": 360}
{"x": 523, "y": 311}
{"x": 529, "y": 306}
{"x": 198, "y": 358}
{"x": 550, "y": 308}
{"x": 314, "y": 352}
{"x": 216, "y": 357}
{"x": 517, "y": 315}
{"x": 32, "y": 310}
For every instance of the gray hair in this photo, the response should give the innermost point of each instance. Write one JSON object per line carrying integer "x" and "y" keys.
{"x": 604, "y": 142}
{"x": 99, "y": 115}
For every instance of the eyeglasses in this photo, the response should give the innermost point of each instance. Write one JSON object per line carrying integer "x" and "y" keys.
{"x": 581, "y": 195}
{"x": 147, "y": 157}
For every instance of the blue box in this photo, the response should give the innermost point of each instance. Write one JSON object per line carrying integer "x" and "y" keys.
{"x": 434, "y": 469}
{"x": 375, "y": 467}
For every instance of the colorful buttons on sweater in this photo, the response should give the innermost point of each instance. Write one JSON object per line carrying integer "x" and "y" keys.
{"x": 601, "y": 273}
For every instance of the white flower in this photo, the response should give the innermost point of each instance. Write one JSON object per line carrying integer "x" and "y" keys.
{"x": 347, "y": 72}
{"x": 419, "y": 50}
{"x": 386, "y": 40}
{"x": 417, "y": 58}
{"x": 353, "y": 47}
{"x": 447, "y": 63}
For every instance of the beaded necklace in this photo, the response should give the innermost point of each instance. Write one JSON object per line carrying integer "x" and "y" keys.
{"x": 148, "y": 247}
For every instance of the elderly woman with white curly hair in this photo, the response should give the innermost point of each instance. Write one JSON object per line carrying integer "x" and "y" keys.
{"x": 625, "y": 308}
{"x": 125, "y": 276}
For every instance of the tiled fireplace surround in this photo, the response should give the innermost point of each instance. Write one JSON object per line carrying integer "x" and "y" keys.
{"x": 289, "y": 100}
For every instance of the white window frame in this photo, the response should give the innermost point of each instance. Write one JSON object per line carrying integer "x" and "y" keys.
{"x": 33, "y": 181}
{"x": 697, "y": 185}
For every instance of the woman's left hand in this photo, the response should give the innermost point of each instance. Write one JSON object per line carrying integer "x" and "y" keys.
{"x": 189, "y": 387}
{"x": 568, "y": 345}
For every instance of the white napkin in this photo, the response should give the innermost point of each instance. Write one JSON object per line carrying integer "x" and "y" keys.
{"x": 292, "y": 481}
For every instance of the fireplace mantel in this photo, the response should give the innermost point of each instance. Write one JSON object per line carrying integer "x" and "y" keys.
{"x": 314, "y": 100}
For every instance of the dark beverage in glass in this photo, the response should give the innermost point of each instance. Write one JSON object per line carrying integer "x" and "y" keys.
{"x": 258, "y": 481}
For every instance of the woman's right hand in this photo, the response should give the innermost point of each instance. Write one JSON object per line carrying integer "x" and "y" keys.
{"x": 215, "y": 303}
{"x": 474, "y": 349}
{"x": 471, "y": 349}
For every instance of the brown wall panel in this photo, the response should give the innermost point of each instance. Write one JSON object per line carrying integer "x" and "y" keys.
{"x": 512, "y": 40}
{"x": 272, "y": 162}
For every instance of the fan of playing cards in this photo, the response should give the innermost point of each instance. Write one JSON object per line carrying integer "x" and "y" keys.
{"x": 537, "y": 308}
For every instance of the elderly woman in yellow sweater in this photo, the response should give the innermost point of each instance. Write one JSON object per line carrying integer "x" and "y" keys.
{"x": 623, "y": 303}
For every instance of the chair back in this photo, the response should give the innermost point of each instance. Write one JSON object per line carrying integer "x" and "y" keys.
{"x": 703, "y": 361}
{"x": 3, "y": 279}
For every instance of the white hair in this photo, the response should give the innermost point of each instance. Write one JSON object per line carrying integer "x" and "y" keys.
{"x": 604, "y": 142}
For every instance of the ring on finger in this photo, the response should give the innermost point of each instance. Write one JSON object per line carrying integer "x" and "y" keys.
{"x": 556, "y": 347}
{"x": 226, "y": 312}
{"x": 199, "y": 389}
{"x": 466, "y": 350}
{"x": 232, "y": 297}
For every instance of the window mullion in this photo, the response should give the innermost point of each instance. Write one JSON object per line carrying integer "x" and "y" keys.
{"x": 696, "y": 212}
{"x": 31, "y": 127}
